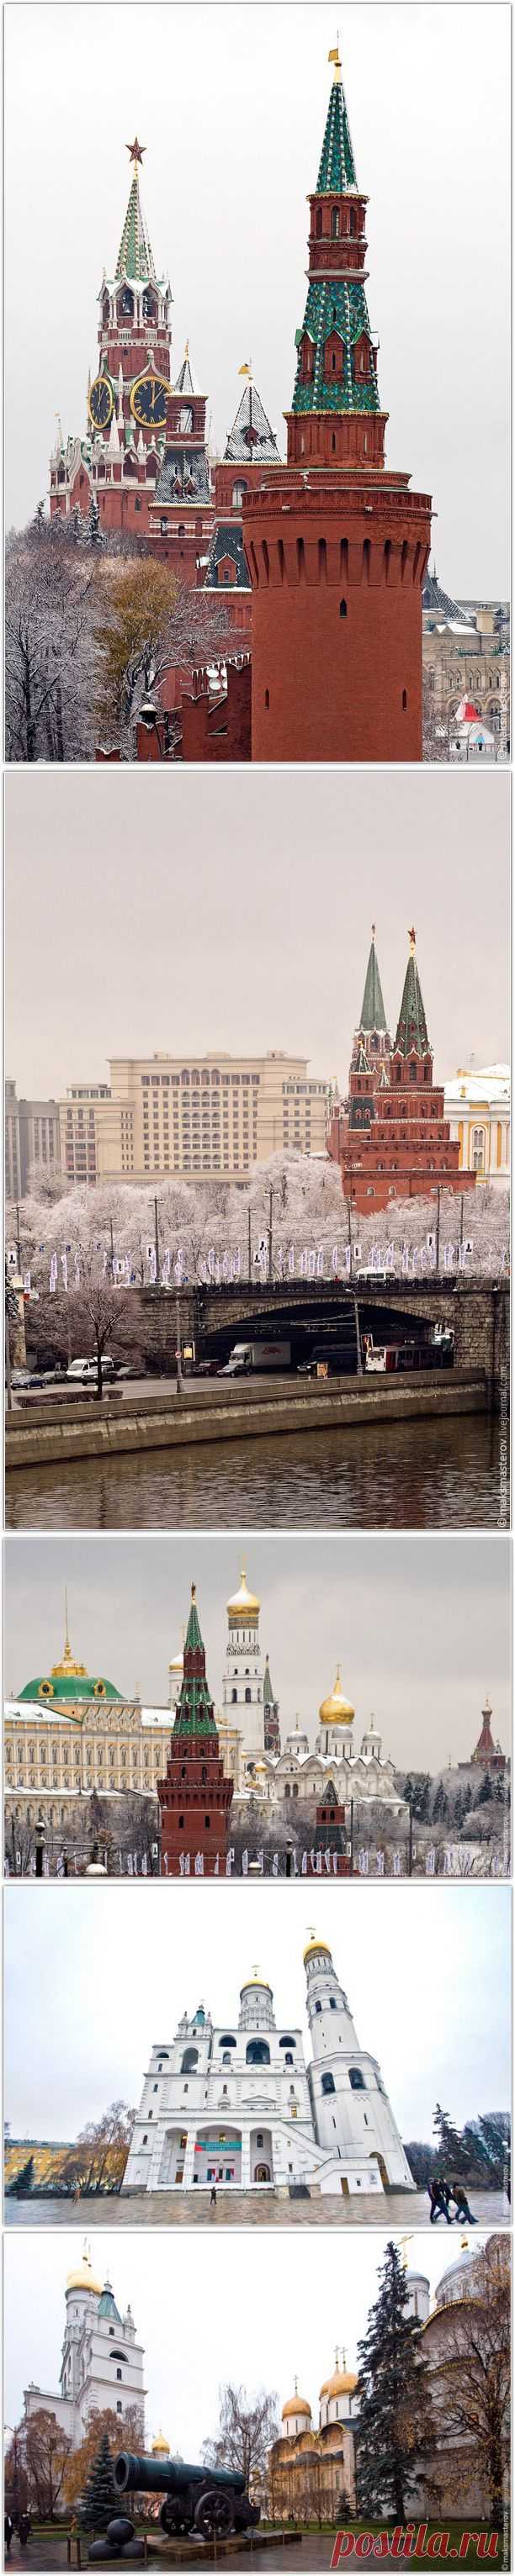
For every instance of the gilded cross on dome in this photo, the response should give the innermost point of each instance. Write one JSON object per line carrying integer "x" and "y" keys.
{"x": 135, "y": 150}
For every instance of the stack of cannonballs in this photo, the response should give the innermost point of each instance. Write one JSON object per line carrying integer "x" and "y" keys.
{"x": 119, "y": 2541}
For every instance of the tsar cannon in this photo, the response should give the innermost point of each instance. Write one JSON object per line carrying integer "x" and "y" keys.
{"x": 211, "y": 2502}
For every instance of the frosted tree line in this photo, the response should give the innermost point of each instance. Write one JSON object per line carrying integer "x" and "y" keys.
{"x": 290, "y": 1220}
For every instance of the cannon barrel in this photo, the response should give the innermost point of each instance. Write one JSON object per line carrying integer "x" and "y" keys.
{"x": 170, "y": 2477}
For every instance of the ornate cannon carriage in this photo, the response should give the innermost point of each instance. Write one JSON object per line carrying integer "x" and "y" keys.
{"x": 210, "y": 2502}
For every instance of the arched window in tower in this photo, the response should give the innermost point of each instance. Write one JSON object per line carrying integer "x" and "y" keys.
{"x": 343, "y": 608}
{"x": 356, "y": 2080}
{"x": 318, "y": 222}
{"x": 328, "y": 2083}
{"x": 248, "y": 1697}
{"x": 335, "y": 222}
{"x": 189, "y": 2061}
{"x": 238, "y": 490}
{"x": 257, "y": 2053}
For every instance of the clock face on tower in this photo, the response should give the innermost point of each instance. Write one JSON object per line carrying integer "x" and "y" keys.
{"x": 148, "y": 401}
{"x": 100, "y": 402}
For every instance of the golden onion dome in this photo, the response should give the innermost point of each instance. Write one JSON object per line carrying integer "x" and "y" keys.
{"x": 255, "y": 1980}
{"x": 336, "y": 1711}
{"x": 296, "y": 2406}
{"x": 342, "y": 2384}
{"x": 315, "y": 1944}
{"x": 82, "y": 2279}
{"x": 243, "y": 1604}
{"x": 177, "y": 1663}
{"x": 160, "y": 2448}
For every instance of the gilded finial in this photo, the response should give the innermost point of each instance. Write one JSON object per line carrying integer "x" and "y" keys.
{"x": 334, "y": 58}
{"x": 193, "y": 1591}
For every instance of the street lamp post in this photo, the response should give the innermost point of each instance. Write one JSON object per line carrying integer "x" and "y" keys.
{"x": 180, "y": 1380}
{"x": 39, "y": 1838}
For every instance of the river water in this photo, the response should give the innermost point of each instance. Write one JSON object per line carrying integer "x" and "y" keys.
{"x": 403, "y": 1475}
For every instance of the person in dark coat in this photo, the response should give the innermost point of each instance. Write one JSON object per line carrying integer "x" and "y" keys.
{"x": 212, "y": 2203}
{"x": 8, "y": 2532}
{"x": 437, "y": 2196}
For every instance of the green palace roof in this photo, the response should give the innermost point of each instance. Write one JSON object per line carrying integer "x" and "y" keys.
{"x": 373, "y": 1015}
{"x": 69, "y": 1681}
{"x": 412, "y": 1027}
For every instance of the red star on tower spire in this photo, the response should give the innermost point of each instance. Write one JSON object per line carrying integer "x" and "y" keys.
{"x": 135, "y": 150}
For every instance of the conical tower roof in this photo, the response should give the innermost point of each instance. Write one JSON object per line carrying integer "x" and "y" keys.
{"x": 194, "y": 1713}
{"x": 337, "y": 170}
{"x": 186, "y": 380}
{"x": 268, "y": 1695}
{"x": 412, "y": 1028}
{"x": 336, "y": 300}
{"x": 135, "y": 257}
{"x": 373, "y": 1015}
{"x": 251, "y": 437}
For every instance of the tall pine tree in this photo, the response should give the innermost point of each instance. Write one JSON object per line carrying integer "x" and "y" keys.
{"x": 100, "y": 2501}
{"x": 395, "y": 2432}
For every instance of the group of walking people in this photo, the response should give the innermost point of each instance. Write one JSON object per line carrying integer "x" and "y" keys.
{"x": 22, "y": 2526}
{"x": 441, "y": 2193}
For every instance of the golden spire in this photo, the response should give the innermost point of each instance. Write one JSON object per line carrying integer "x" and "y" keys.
{"x": 334, "y": 57}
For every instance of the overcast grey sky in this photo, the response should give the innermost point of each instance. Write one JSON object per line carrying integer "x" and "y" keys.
{"x": 439, "y": 1637}
{"x": 284, "y": 2328}
{"x": 234, "y": 908}
{"x": 429, "y": 1990}
{"x": 231, "y": 104}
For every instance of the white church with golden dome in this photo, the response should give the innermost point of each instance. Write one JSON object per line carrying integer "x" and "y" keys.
{"x": 102, "y": 2363}
{"x": 233, "y": 2104}
{"x": 312, "y": 2465}
{"x": 305, "y": 1773}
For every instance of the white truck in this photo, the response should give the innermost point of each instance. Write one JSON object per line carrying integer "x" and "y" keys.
{"x": 249, "y": 1358}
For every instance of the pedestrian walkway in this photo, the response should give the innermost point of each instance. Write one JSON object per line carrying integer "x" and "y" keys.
{"x": 251, "y": 2209}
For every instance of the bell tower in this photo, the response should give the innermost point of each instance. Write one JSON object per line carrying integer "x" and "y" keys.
{"x": 350, "y": 2108}
{"x": 337, "y": 544}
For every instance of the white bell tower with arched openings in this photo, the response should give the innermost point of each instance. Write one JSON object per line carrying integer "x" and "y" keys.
{"x": 350, "y": 2108}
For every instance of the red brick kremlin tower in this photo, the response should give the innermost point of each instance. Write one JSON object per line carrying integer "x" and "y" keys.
{"x": 195, "y": 1798}
{"x": 119, "y": 459}
{"x": 337, "y": 544}
{"x": 251, "y": 450}
{"x": 486, "y": 1753}
{"x": 181, "y": 512}
{"x": 394, "y": 1140}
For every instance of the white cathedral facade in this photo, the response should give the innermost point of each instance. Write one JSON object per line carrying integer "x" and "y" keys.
{"x": 234, "y": 2105}
{"x": 102, "y": 2362}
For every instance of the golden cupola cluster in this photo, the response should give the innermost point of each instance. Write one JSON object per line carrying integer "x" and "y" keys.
{"x": 336, "y": 1710}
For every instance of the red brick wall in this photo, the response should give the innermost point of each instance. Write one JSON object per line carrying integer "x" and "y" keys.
{"x": 326, "y": 685}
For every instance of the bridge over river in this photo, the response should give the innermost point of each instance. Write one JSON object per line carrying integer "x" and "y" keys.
{"x": 316, "y": 1312}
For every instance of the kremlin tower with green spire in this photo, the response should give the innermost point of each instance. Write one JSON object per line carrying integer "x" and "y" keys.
{"x": 392, "y": 1140}
{"x": 116, "y": 463}
{"x": 195, "y": 1797}
{"x": 337, "y": 544}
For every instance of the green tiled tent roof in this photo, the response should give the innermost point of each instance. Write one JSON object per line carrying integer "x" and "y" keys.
{"x": 373, "y": 1015}
{"x": 194, "y": 1713}
{"x": 107, "y": 2305}
{"x": 335, "y": 305}
{"x": 135, "y": 255}
{"x": 412, "y": 1028}
{"x": 337, "y": 170}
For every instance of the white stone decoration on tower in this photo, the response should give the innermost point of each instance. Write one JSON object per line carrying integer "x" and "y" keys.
{"x": 351, "y": 2112}
{"x": 243, "y": 1678}
{"x": 235, "y": 2105}
{"x": 102, "y": 2363}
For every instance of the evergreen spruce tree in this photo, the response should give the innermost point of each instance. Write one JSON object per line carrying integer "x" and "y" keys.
{"x": 99, "y": 2502}
{"x": 485, "y": 1793}
{"x": 440, "y": 1804}
{"x": 23, "y": 2181}
{"x": 94, "y": 528}
{"x": 452, "y": 2155}
{"x": 395, "y": 2432}
{"x": 423, "y": 1805}
{"x": 77, "y": 525}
